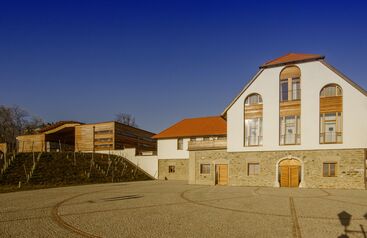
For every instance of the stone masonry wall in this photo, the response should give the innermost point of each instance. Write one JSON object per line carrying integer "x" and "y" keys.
{"x": 181, "y": 169}
{"x": 350, "y": 169}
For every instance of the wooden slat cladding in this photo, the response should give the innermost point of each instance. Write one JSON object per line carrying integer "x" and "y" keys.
{"x": 31, "y": 143}
{"x": 85, "y": 136}
{"x": 253, "y": 111}
{"x": 290, "y": 72}
{"x": 290, "y": 108}
{"x": 128, "y": 137}
{"x": 331, "y": 104}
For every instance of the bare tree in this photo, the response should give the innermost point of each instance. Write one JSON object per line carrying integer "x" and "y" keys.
{"x": 15, "y": 121}
{"x": 33, "y": 124}
{"x": 126, "y": 119}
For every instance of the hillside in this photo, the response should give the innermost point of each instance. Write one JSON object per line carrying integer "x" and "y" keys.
{"x": 40, "y": 170}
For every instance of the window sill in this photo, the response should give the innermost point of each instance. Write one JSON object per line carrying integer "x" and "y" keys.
{"x": 330, "y": 143}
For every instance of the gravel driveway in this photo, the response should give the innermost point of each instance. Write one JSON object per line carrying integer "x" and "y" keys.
{"x": 175, "y": 209}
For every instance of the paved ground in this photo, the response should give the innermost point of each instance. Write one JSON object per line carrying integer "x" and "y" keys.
{"x": 175, "y": 209}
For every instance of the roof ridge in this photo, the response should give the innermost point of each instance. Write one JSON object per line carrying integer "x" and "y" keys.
{"x": 189, "y": 118}
{"x": 291, "y": 58}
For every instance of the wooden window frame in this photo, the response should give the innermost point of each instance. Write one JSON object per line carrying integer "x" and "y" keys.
{"x": 248, "y": 169}
{"x": 337, "y": 87}
{"x": 171, "y": 169}
{"x": 328, "y": 169}
{"x": 298, "y": 124}
{"x": 202, "y": 169}
{"x": 338, "y": 125}
{"x": 259, "y": 99}
{"x": 259, "y": 128}
{"x": 289, "y": 82}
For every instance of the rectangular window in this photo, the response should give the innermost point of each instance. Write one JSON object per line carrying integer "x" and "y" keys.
{"x": 180, "y": 144}
{"x": 253, "y": 169}
{"x": 290, "y": 130}
{"x": 171, "y": 169}
{"x": 284, "y": 90}
{"x": 253, "y": 132}
{"x": 204, "y": 168}
{"x": 290, "y": 89}
{"x": 330, "y": 128}
{"x": 329, "y": 169}
{"x": 296, "y": 89}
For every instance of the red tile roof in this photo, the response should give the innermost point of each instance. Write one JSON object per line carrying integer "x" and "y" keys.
{"x": 203, "y": 126}
{"x": 291, "y": 59}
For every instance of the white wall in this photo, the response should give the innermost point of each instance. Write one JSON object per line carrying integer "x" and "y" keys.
{"x": 167, "y": 149}
{"x": 314, "y": 76}
{"x": 147, "y": 163}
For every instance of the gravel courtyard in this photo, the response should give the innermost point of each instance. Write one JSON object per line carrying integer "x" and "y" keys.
{"x": 175, "y": 209}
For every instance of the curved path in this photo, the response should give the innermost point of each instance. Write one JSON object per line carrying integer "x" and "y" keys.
{"x": 175, "y": 209}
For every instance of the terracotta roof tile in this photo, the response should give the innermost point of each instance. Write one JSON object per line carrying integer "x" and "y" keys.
{"x": 203, "y": 126}
{"x": 291, "y": 59}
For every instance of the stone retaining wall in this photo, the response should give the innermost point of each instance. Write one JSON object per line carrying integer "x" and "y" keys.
{"x": 181, "y": 169}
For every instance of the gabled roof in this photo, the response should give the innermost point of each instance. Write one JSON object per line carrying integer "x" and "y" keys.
{"x": 203, "y": 126}
{"x": 292, "y": 58}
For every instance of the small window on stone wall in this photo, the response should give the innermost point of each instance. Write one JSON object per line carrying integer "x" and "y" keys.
{"x": 253, "y": 169}
{"x": 329, "y": 169}
{"x": 171, "y": 169}
{"x": 205, "y": 168}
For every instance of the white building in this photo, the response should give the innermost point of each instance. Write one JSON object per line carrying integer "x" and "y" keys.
{"x": 298, "y": 123}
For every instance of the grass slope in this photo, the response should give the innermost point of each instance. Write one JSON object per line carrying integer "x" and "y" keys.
{"x": 65, "y": 169}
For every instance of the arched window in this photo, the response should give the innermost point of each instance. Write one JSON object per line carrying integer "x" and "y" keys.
{"x": 253, "y": 99}
{"x": 331, "y": 90}
{"x": 253, "y": 120}
{"x": 290, "y": 106}
{"x": 331, "y": 114}
{"x": 290, "y": 84}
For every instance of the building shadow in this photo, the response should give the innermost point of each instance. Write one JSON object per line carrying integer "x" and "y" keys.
{"x": 345, "y": 218}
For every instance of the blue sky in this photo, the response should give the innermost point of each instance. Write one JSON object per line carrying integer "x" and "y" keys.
{"x": 161, "y": 60}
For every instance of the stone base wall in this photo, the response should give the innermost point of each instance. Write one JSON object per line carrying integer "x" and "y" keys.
{"x": 350, "y": 167}
{"x": 181, "y": 169}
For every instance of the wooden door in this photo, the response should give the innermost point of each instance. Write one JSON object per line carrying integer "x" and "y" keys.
{"x": 222, "y": 174}
{"x": 294, "y": 176}
{"x": 289, "y": 176}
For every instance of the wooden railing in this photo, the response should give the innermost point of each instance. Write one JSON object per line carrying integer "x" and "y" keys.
{"x": 208, "y": 145}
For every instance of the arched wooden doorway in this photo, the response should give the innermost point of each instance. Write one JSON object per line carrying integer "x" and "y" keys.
{"x": 290, "y": 173}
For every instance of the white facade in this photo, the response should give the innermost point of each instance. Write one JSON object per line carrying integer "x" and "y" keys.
{"x": 314, "y": 76}
{"x": 148, "y": 163}
{"x": 167, "y": 149}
